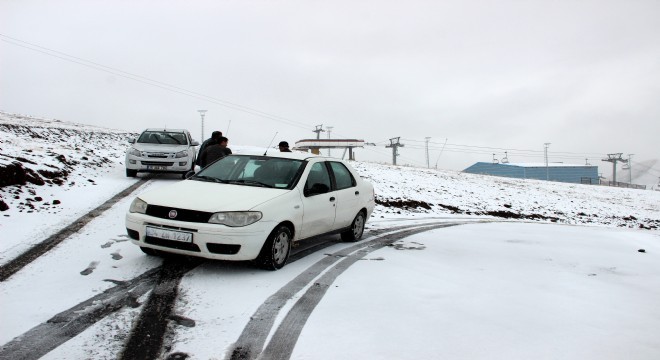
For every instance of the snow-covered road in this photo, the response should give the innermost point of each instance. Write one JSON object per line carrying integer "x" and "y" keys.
{"x": 478, "y": 289}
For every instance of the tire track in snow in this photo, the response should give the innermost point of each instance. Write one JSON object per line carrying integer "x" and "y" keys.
{"x": 251, "y": 341}
{"x": 148, "y": 333}
{"x": 24, "y": 259}
{"x": 164, "y": 280}
{"x": 66, "y": 325}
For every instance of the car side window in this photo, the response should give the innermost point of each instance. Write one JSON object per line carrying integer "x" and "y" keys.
{"x": 318, "y": 180}
{"x": 343, "y": 177}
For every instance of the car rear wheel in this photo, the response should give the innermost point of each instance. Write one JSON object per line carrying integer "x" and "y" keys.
{"x": 356, "y": 230}
{"x": 276, "y": 249}
{"x": 131, "y": 173}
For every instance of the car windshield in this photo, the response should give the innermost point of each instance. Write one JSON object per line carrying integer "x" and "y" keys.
{"x": 163, "y": 137}
{"x": 251, "y": 170}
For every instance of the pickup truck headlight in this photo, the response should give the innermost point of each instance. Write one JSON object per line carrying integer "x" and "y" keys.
{"x": 235, "y": 218}
{"x": 134, "y": 152}
{"x": 138, "y": 206}
{"x": 181, "y": 154}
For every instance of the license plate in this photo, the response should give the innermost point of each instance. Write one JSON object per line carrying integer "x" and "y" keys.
{"x": 156, "y": 167}
{"x": 169, "y": 234}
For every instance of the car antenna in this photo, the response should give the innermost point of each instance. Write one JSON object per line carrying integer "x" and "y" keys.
{"x": 227, "y": 131}
{"x": 271, "y": 143}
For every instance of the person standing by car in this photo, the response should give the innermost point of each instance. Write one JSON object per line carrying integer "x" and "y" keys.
{"x": 215, "y": 152}
{"x": 214, "y": 139}
{"x": 284, "y": 146}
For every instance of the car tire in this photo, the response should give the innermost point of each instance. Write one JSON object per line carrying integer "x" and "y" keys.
{"x": 149, "y": 251}
{"x": 356, "y": 230}
{"x": 131, "y": 173}
{"x": 276, "y": 249}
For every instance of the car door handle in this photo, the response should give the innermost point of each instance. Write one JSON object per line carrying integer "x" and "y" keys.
{"x": 332, "y": 198}
{"x": 357, "y": 193}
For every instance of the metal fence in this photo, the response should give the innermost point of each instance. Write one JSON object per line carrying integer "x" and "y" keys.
{"x": 623, "y": 185}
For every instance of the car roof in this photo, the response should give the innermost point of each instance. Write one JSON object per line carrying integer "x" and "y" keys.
{"x": 298, "y": 155}
{"x": 166, "y": 130}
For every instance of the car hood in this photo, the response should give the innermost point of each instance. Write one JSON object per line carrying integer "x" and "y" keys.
{"x": 210, "y": 197}
{"x": 159, "y": 147}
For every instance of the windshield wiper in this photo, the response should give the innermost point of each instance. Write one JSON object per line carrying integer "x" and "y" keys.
{"x": 208, "y": 178}
{"x": 173, "y": 138}
{"x": 249, "y": 182}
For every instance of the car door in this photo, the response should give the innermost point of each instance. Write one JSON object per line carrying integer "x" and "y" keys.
{"x": 318, "y": 202}
{"x": 346, "y": 193}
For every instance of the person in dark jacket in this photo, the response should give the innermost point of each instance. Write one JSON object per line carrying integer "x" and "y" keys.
{"x": 214, "y": 139}
{"x": 284, "y": 146}
{"x": 215, "y": 152}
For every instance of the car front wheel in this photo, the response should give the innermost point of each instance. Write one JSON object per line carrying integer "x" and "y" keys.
{"x": 276, "y": 249}
{"x": 356, "y": 230}
{"x": 131, "y": 173}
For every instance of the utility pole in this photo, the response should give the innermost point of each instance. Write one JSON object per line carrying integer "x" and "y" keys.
{"x": 329, "y": 131}
{"x": 614, "y": 158}
{"x": 318, "y": 131}
{"x": 394, "y": 146}
{"x": 428, "y": 166}
{"x": 547, "y": 172}
{"x": 202, "y": 113}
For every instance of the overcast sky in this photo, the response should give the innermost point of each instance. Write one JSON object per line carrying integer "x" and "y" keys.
{"x": 511, "y": 75}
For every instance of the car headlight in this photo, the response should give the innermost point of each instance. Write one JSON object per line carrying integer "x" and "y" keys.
{"x": 138, "y": 206}
{"x": 235, "y": 218}
{"x": 134, "y": 152}
{"x": 181, "y": 154}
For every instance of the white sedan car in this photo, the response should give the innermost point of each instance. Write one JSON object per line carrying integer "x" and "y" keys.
{"x": 252, "y": 207}
{"x": 161, "y": 150}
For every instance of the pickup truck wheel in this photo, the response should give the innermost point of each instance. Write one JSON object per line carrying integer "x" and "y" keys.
{"x": 276, "y": 249}
{"x": 356, "y": 230}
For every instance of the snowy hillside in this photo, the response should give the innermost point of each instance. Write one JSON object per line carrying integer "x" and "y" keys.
{"x": 38, "y": 156}
{"x": 440, "y": 192}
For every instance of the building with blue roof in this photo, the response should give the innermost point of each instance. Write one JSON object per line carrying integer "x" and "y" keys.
{"x": 581, "y": 174}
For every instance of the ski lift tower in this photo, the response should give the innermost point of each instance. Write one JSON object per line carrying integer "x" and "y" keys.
{"x": 395, "y": 146}
{"x": 614, "y": 158}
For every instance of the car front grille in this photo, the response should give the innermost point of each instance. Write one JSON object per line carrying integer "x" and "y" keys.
{"x": 159, "y": 155}
{"x": 163, "y": 212}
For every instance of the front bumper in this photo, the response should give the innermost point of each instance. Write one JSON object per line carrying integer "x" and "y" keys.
{"x": 165, "y": 165}
{"x": 211, "y": 241}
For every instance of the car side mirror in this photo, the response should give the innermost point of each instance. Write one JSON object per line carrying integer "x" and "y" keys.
{"x": 131, "y": 140}
{"x": 194, "y": 143}
{"x": 317, "y": 189}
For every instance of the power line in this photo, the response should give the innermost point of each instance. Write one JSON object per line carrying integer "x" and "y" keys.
{"x": 145, "y": 80}
{"x": 479, "y": 150}
{"x": 504, "y": 149}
